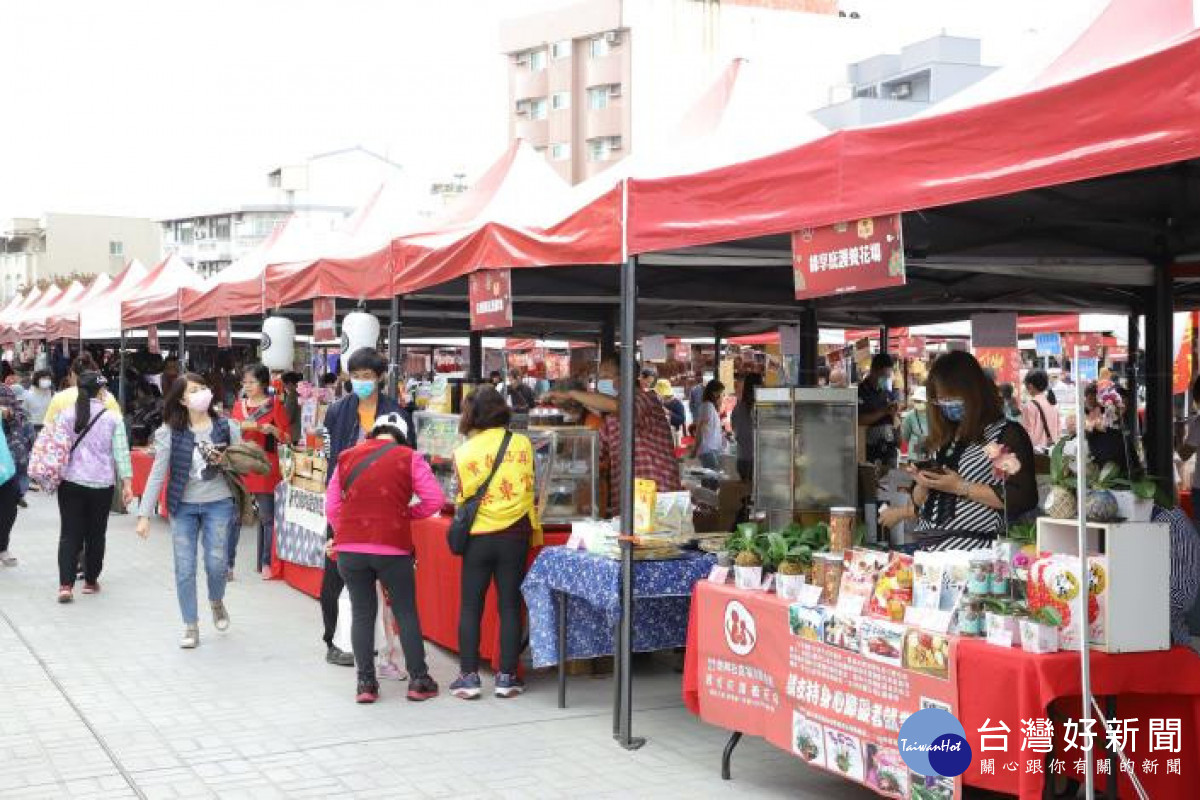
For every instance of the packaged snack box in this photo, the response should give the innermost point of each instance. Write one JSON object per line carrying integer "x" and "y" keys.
{"x": 894, "y": 589}
{"x": 882, "y": 641}
{"x": 645, "y": 500}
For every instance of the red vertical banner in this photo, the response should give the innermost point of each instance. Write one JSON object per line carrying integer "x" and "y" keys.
{"x": 152, "y": 340}
{"x": 224, "y": 332}
{"x": 1181, "y": 371}
{"x": 490, "y": 295}
{"x": 1004, "y": 363}
{"x": 323, "y": 319}
{"x": 1089, "y": 344}
{"x": 848, "y": 257}
{"x": 911, "y": 347}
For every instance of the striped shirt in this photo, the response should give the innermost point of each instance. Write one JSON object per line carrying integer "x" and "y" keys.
{"x": 1185, "y": 568}
{"x": 953, "y": 513}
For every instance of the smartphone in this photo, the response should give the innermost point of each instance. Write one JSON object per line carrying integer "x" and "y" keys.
{"x": 930, "y": 466}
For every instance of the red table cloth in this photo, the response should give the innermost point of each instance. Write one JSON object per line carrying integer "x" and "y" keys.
{"x": 439, "y": 575}
{"x": 1010, "y": 685}
{"x": 142, "y": 461}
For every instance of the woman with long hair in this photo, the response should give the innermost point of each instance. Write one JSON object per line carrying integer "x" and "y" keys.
{"x": 505, "y": 527}
{"x": 13, "y": 424}
{"x": 1039, "y": 415}
{"x": 187, "y": 449}
{"x": 99, "y": 458}
{"x": 963, "y": 490}
{"x": 710, "y": 436}
{"x": 264, "y": 421}
{"x": 742, "y": 420}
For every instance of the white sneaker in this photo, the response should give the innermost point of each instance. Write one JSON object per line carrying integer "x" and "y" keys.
{"x": 191, "y": 637}
{"x": 7, "y": 559}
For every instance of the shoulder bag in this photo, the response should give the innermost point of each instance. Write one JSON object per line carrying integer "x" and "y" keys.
{"x": 459, "y": 535}
{"x": 52, "y": 453}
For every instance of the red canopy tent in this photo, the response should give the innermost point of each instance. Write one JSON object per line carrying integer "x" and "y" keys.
{"x": 63, "y": 322}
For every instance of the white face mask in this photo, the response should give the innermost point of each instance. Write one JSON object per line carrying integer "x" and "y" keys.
{"x": 201, "y": 400}
{"x": 606, "y": 386}
{"x": 43, "y": 383}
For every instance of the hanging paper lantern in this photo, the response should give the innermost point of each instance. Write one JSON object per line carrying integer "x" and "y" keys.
{"x": 278, "y": 343}
{"x": 359, "y": 330}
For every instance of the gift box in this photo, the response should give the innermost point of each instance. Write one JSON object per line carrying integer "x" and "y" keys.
{"x": 1038, "y": 637}
{"x": 1002, "y": 630}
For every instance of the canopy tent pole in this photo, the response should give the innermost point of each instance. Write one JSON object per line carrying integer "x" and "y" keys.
{"x": 629, "y": 386}
{"x": 182, "y": 347}
{"x": 1159, "y": 454}
{"x": 1133, "y": 336}
{"x": 393, "y": 390}
{"x": 809, "y": 346}
{"x": 122, "y": 394}
{"x": 717, "y": 353}
{"x": 475, "y": 358}
{"x": 885, "y": 336}
{"x": 608, "y": 336}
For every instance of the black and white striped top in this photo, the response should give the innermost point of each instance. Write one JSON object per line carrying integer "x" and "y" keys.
{"x": 953, "y": 513}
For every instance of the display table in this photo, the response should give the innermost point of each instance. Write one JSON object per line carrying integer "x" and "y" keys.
{"x": 439, "y": 579}
{"x": 299, "y": 539}
{"x": 988, "y": 683}
{"x": 142, "y": 460}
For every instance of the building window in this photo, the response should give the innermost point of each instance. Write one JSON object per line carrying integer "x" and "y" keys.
{"x": 537, "y": 60}
{"x": 602, "y": 147}
{"x": 221, "y": 229}
{"x": 560, "y": 101}
{"x": 598, "y": 97}
{"x": 538, "y": 108}
{"x": 560, "y": 50}
{"x": 116, "y": 248}
{"x": 560, "y": 151}
{"x": 599, "y": 47}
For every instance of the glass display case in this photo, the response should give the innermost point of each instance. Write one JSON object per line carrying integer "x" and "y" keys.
{"x": 573, "y": 491}
{"x": 805, "y": 457}
{"x": 437, "y": 439}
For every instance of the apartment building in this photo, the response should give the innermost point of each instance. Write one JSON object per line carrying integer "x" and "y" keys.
{"x": 323, "y": 190}
{"x": 589, "y": 81}
{"x": 54, "y": 245}
{"x": 892, "y": 86}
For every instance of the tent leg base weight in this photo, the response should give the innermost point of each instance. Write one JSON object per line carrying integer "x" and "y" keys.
{"x": 727, "y": 755}
{"x": 634, "y": 743}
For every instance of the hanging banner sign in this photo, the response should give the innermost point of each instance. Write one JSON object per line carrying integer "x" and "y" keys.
{"x": 654, "y": 348}
{"x": 490, "y": 295}
{"x": 993, "y": 330}
{"x": 1181, "y": 368}
{"x": 1004, "y": 363}
{"x": 789, "y": 340}
{"x": 152, "y": 340}
{"x": 1088, "y": 343}
{"x": 1048, "y": 344}
{"x": 224, "y": 332}
{"x": 911, "y": 347}
{"x": 1089, "y": 369}
{"x": 848, "y": 257}
{"x": 324, "y": 329}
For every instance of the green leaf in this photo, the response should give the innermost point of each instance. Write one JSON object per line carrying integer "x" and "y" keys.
{"x": 1048, "y": 615}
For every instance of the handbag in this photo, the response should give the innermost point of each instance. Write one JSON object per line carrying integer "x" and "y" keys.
{"x": 459, "y": 535}
{"x": 8, "y": 467}
{"x": 52, "y": 453}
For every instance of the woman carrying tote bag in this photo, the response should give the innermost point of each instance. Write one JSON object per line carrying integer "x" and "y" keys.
{"x": 505, "y": 526}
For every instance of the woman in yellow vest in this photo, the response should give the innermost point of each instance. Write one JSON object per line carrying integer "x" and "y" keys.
{"x": 506, "y": 525}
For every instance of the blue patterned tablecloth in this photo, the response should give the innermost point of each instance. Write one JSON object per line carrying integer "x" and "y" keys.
{"x": 295, "y": 543}
{"x": 662, "y": 593}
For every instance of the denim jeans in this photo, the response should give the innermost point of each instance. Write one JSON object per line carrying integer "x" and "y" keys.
{"x": 266, "y": 531}
{"x": 206, "y": 524}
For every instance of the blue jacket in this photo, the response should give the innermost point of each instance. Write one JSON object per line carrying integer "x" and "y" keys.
{"x": 341, "y": 424}
{"x": 182, "y": 443}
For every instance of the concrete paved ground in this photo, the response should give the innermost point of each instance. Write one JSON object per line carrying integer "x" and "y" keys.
{"x": 97, "y": 701}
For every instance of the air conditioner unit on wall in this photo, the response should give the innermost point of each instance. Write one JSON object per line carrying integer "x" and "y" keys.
{"x": 613, "y": 37}
{"x": 614, "y": 90}
{"x": 614, "y": 143}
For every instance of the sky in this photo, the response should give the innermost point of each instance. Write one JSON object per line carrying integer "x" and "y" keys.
{"x": 157, "y": 107}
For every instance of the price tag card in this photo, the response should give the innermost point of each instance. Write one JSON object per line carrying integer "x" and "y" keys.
{"x": 851, "y": 605}
{"x": 576, "y": 541}
{"x": 768, "y": 582}
{"x": 810, "y": 595}
{"x": 719, "y": 574}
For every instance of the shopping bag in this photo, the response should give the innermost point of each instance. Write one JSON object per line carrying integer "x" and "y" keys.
{"x": 341, "y": 634}
{"x": 385, "y": 646}
{"x": 51, "y": 453}
{"x": 8, "y": 467}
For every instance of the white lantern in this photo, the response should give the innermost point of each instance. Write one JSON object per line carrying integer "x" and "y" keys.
{"x": 278, "y": 343}
{"x": 359, "y": 330}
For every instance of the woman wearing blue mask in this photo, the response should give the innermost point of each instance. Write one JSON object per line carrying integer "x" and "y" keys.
{"x": 963, "y": 487}
{"x": 347, "y": 422}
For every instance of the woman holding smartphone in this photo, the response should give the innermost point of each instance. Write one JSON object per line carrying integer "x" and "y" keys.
{"x": 187, "y": 448}
{"x": 959, "y": 489}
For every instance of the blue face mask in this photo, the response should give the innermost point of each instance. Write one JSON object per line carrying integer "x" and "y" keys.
{"x": 952, "y": 410}
{"x": 606, "y": 386}
{"x": 363, "y": 389}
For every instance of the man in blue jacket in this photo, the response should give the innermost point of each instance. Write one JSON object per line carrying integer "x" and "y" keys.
{"x": 347, "y": 422}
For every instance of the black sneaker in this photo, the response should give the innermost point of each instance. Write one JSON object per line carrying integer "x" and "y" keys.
{"x": 339, "y": 657}
{"x": 368, "y": 691}
{"x": 422, "y": 688}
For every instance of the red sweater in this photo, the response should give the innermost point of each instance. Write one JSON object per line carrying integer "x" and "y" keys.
{"x": 376, "y": 509}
